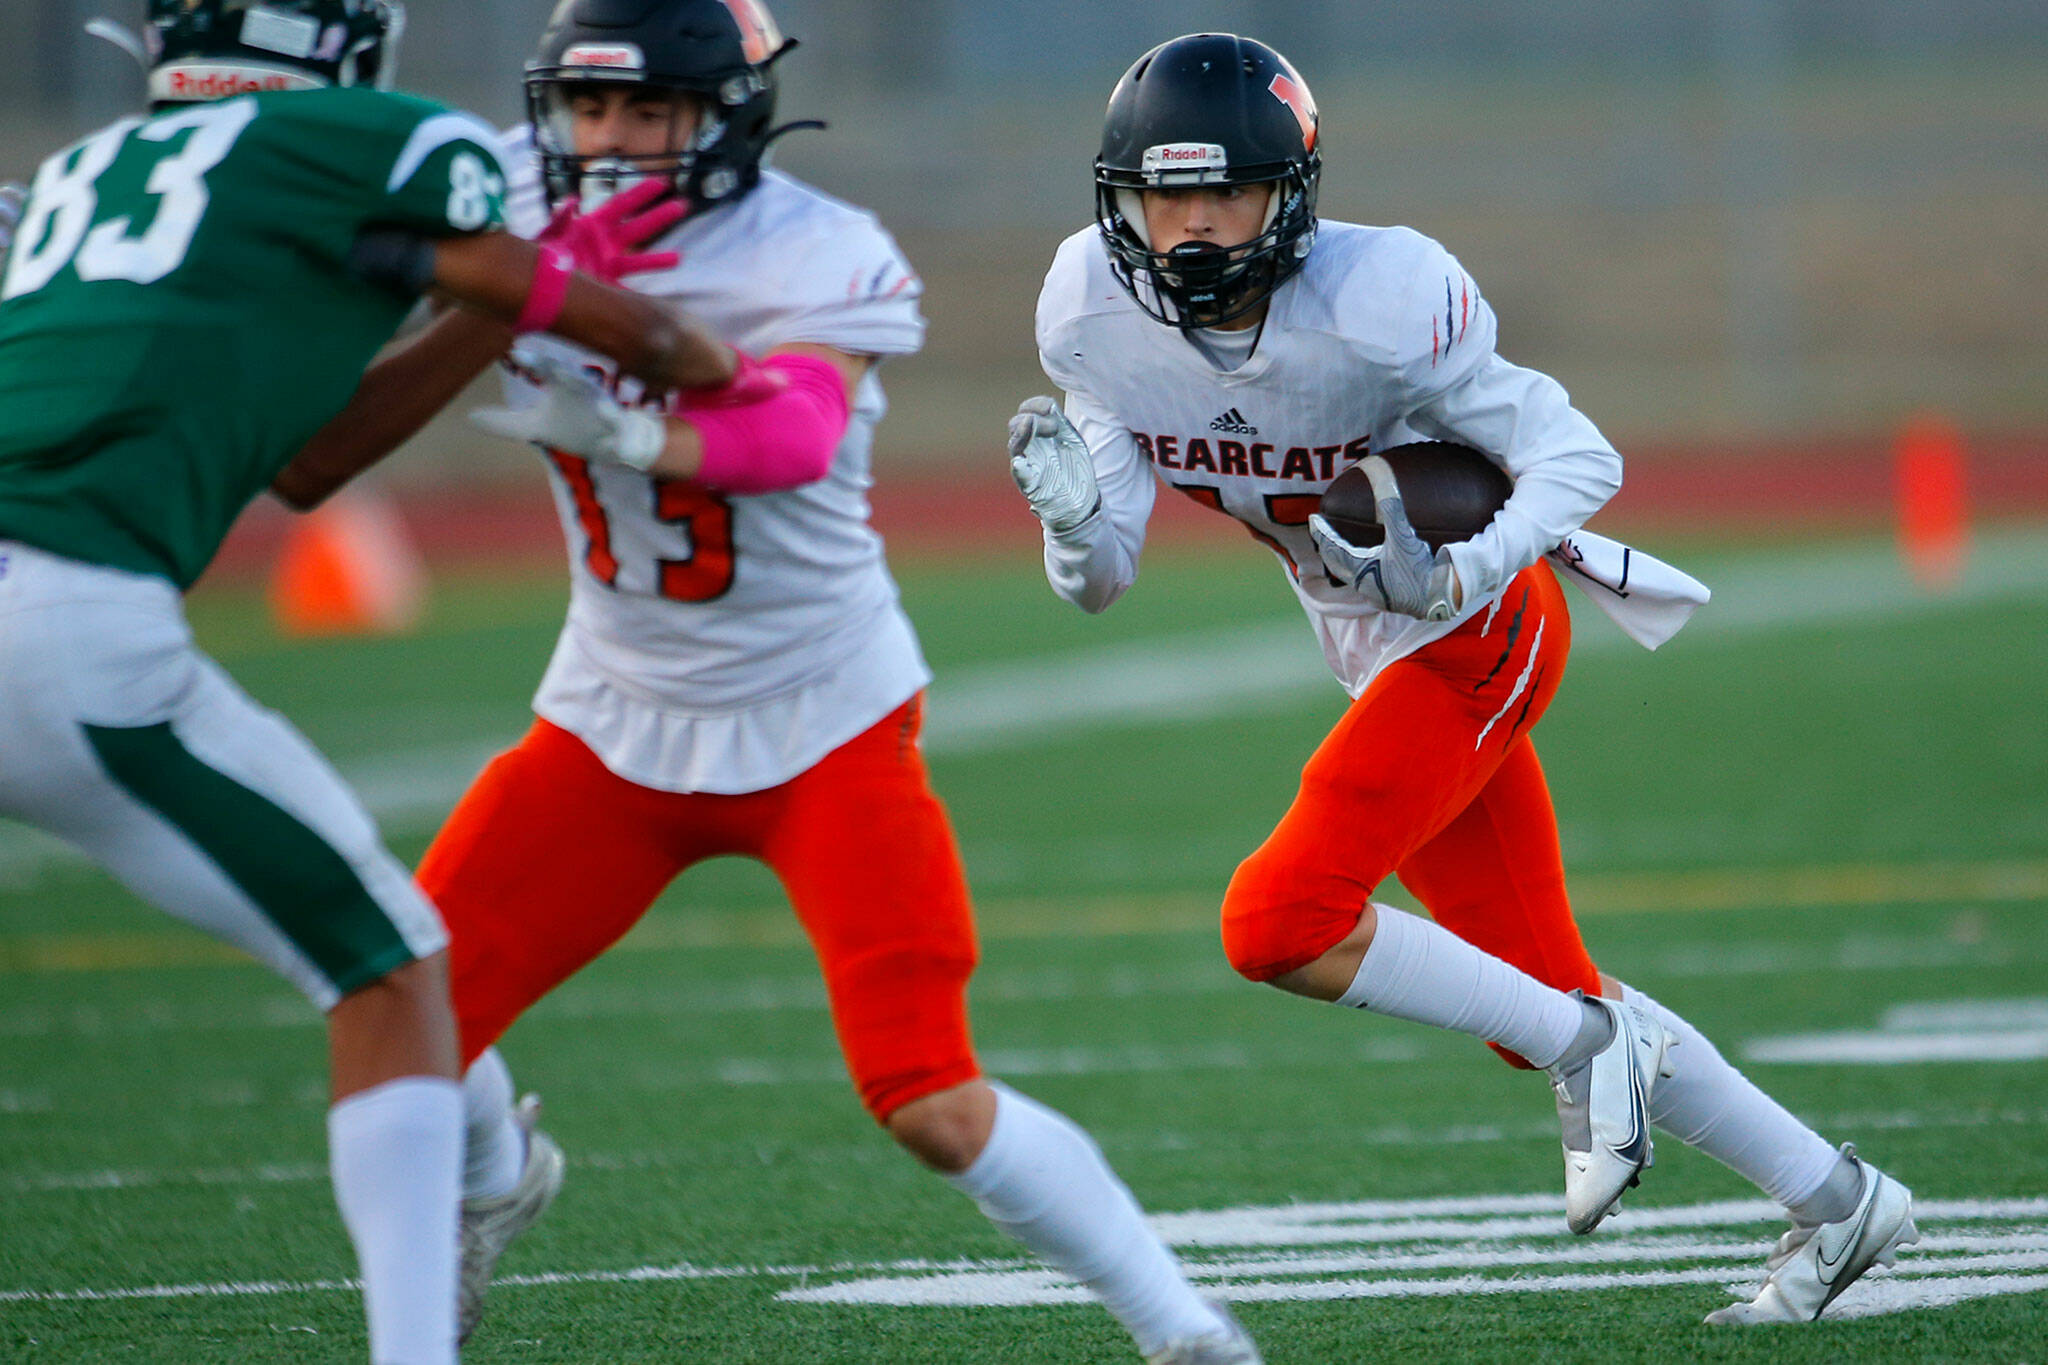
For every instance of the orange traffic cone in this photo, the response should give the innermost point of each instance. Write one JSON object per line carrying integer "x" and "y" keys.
{"x": 348, "y": 568}
{"x": 1934, "y": 516}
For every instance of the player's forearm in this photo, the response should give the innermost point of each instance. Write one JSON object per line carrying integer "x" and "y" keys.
{"x": 500, "y": 275}
{"x": 782, "y": 440}
{"x": 1093, "y": 564}
{"x": 1090, "y": 566}
{"x": 400, "y": 392}
{"x": 1564, "y": 469}
{"x": 649, "y": 342}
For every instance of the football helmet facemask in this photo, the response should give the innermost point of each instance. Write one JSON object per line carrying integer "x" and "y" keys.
{"x": 208, "y": 49}
{"x": 721, "y": 53}
{"x": 1208, "y": 109}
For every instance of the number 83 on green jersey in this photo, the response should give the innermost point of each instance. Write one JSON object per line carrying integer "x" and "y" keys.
{"x": 178, "y": 314}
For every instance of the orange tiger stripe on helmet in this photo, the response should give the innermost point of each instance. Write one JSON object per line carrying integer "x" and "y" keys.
{"x": 759, "y": 38}
{"x": 1297, "y": 99}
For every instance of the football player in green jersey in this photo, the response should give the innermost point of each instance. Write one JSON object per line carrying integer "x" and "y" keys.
{"x": 188, "y": 297}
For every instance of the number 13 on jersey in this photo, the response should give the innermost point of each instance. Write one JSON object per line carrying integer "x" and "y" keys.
{"x": 704, "y": 518}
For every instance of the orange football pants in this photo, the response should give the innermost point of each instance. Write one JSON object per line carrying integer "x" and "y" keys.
{"x": 1430, "y": 776}
{"x": 550, "y": 858}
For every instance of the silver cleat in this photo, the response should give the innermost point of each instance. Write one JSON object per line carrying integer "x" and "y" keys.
{"x": 1811, "y": 1266}
{"x": 489, "y": 1225}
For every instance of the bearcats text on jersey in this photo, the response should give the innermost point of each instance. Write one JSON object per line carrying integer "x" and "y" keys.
{"x": 1253, "y": 459}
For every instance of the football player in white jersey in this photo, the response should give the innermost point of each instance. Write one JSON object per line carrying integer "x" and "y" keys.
{"x": 1211, "y": 334}
{"x": 736, "y": 674}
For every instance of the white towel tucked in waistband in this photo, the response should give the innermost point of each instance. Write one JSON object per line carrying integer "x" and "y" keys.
{"x": 1645, "y": 596}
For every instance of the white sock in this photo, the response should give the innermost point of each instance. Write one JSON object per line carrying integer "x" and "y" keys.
{"x": 494, "y": 1148}
{"x": 1417, "y": 970}
{"x": 395, "y": 1151}
{"x": 1044, "y": 1181}
{"x": 1708, "y": 1104}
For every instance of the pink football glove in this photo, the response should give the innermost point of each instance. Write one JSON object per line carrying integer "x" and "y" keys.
{"x": 602, "y": 242}
{"x": 753, "y": 381}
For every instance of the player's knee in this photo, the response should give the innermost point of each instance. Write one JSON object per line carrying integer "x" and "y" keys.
{"x": 419, "y": 984}
{"x": 948, "y": 1129}
{"x": 901, "y": 1015}
{"x": 397, "y": 1025}
{"x": 1273, "y": 924}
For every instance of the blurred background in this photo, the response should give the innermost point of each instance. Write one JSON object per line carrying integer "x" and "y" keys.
{"x": 1731, "y": 227}
{"x": 1792, "y": 255}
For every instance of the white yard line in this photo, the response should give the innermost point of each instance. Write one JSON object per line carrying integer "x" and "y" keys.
{"x": 1970, "y": 1249}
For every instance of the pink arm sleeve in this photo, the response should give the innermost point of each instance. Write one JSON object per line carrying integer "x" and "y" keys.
{"x": 779, "y": 442}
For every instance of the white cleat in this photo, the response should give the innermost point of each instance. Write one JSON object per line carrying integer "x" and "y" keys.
{"x": 1231, "y": 1346}
{"x": 1604, "y": 1107}
{"x": 1812, "y": 1266}
{"x": 489, "y": 1225}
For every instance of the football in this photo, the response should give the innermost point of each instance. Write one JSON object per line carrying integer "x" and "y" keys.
{"x": 1451, "y": 493}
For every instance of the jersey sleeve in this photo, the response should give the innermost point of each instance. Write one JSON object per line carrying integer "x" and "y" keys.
{"x": 1093, "y": 564}
{"x": 526, "y": 203}
{"x": 446, "y": 177}
{"x": 853, "y": 290}
{"x": 1458, "y": 389}
{"x": 1445, "y": 328}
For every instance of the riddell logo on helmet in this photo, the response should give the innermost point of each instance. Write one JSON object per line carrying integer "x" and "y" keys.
{"x": 212, "y": 82}
{"x": 1170, "y": 156}
{"x": 617, "y": 56}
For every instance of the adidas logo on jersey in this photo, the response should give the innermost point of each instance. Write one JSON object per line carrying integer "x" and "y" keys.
{"x": 1233, "y": 422}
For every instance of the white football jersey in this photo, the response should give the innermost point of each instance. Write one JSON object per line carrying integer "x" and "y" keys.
{"x": 718, "y": 642}
{"x": 1381, "y": 338}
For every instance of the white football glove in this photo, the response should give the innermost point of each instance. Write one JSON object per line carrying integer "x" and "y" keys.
{"x": 575, "y": 414}
{"x": 12, "y": 197}
{"x": 1051, "y": 465}
{"x": 1403, "y": 572}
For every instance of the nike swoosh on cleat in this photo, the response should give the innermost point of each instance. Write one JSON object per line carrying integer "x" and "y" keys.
{"x": 1631, "y": 1150}
{"x": 1830, "y": 1266}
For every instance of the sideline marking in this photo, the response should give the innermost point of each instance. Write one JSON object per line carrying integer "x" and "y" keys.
{"x": 1971, "y": 1248}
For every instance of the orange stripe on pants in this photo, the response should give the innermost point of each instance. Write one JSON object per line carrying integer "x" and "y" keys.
{"x": 550, "y": 858}
{"x": 1429, "y": 774}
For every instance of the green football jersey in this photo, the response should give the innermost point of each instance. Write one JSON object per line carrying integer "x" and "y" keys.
{"x": 178, "y": 315}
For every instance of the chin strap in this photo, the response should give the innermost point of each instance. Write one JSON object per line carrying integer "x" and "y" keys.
{"x": 789, "y": 45}
{"x": 797, "y": 126}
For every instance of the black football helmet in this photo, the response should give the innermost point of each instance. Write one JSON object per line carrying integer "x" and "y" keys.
{"x": 1208, "y": 109}
{"x": 723, "y": 51}
{"x": 207, "y": 49}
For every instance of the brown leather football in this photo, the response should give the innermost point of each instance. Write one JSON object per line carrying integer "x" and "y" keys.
{"x": 1450, "y": 491}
